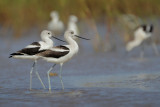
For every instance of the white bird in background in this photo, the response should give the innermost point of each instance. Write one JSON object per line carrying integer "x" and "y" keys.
{"x": 55, "y": 24}
{"x": 30, "y": 51}
{"x": 72, "y": 24}
{"x": 61, "y": 54}
{"x": 141, "y": 33}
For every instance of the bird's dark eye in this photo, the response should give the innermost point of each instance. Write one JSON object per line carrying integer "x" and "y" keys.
{"x": 48, "y": 33}
{"x": 72, "y": 32}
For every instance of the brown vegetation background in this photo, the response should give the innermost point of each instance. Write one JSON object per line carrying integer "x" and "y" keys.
{"x": 21, "y": 15}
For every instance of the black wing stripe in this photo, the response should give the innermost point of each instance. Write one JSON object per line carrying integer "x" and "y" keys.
{"x": 35, "y": 43}
{"x": 16, "y": 54}
{"x": 13, "y": 54}
{"x": 62, "y": 47}
{"x": 144, "y": 27}
{"x": 31, "y": 51}
{"x": 55, "y": 54}
{"x": 151, "y": 29}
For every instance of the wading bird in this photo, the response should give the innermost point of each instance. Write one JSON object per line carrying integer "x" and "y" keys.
{"x": 30, "y": 51}
{"x": 61, "y": 54}
{"x": 141, "y": 33}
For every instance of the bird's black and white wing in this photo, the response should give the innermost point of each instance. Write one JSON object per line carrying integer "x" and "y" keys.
{"x": 31, "y": 49}
{"x": 56, "y": 52}
{"x": 147, "y": 28}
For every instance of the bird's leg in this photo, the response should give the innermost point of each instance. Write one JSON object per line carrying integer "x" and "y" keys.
{"x": 38, "y": 75}
{"x": 31, "y": 75}
{"x": 142, "y": 51}
{"x": 60, "y": 76}
{"x": 154, "y": 46}
{"x": 49, "y": 82}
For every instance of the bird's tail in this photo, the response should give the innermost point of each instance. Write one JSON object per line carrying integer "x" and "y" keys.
{"x": 10, "y": 56}
{"x": 13, "y": 54}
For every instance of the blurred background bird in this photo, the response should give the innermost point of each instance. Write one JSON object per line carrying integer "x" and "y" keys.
{"x": 72, "y": 24}
{"x": 56, "y": 25}
{"x": 141, "y": 33}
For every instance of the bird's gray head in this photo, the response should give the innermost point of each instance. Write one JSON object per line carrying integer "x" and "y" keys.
{"x": 54, "y": 14}
{"x": 46, "y": 33}
{"x": 73, "y": 18}
{"x": 70, "y": 33}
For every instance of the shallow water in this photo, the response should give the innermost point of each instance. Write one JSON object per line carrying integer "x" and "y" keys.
{"x": 90, "y": 79}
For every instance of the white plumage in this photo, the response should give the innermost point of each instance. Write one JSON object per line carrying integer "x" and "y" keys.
{"x": 72, "y": 24}
{"x": 55, "y": 24}
{"x": 62, "y": 53}
{"x": 31, "y": 51}
{"x": 140, "y": 34}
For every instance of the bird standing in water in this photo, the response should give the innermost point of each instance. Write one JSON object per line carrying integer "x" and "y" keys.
{"x": 141, "y": 33}
{"x": 61, "y": 54}
{"x": 30, "y": 51}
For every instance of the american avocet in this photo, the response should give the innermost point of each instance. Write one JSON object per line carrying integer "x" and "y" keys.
{"x": 72, "y": 24}
{"x": 55, "y": 24}
{"x": 61, "y": 54}
{"x": 141, "y": 33}
{"x": 30, "y": 51}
